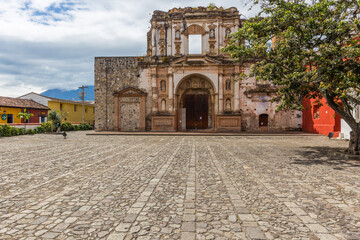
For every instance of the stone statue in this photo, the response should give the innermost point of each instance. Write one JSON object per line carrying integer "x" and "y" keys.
{"x": 163, "y": 105}
{"x": 177, "y": 34}
{"x": 228, "y": 105}
{"x": 227, "y": 32}
{"x": 212, "y": 33}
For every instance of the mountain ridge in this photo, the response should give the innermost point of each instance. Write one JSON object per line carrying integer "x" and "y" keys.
{"x": 70, "y": 94}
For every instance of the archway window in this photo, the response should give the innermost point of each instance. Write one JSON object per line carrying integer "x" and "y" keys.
{"x": 228, "y": 84}
{"x": 195, "y": 44}
{"x": 263, "y": 120}
{"x": 163, "y": 86}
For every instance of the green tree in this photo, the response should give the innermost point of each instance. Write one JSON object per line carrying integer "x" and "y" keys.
{"x": 55, "y": 117}
{"x": 306, "y": 49}
{"x": 25, "y": 115}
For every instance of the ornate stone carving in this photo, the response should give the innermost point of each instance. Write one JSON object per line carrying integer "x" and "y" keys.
{"x": 212, "y": 33}
{"x": 178, "y": 48}
{"x": 227, "y": 32}
{"x": 195, "y": 29}
{"x": 177, "y": 34}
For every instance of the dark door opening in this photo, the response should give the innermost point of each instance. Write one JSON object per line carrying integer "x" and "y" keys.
{"x": 196, "y": 111}
{"x": 10, "y": 118}
{"x": 263, "y": 120}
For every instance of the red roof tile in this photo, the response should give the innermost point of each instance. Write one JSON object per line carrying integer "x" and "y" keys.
{"x": 21, "y": 103}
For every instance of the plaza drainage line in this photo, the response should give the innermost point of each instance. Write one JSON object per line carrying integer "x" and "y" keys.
{"x": 189, "y": 218}
{"x": 254, "y": 232}
{"x": 134, "y": 211}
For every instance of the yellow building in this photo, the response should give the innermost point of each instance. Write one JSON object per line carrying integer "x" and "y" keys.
{"x": 72, "y": 109}
{"x": 11, "y": 107}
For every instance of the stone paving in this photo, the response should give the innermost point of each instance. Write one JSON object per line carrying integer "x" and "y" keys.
{"x": 177, "y": 187}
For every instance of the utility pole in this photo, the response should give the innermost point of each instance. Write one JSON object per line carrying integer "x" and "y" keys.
{"x": 82, "y": 97}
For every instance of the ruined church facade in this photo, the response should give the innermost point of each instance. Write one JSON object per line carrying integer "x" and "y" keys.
{"x": 175, "y": 89}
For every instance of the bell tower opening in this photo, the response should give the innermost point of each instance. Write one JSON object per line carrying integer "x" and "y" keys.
{"x": 195, "y": 44}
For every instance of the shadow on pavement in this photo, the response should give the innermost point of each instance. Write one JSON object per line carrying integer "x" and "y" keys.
{"x": 323, "y": 156}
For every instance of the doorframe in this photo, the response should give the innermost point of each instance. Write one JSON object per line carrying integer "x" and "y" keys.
{"x": 179, "y": 92}
{"x": 206, "y": 97}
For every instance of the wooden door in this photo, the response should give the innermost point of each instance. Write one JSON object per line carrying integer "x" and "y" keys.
{"x": 196, "y": 111}
{"x": 263, "y": 120}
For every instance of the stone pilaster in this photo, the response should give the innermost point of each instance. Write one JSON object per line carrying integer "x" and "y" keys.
{"x": 155, "y": 103}
{"x": 117, "y": 113}
{"x": 221, "y": 93}
{"x": 237, "y": 90}
{"x": 171, "y": 91}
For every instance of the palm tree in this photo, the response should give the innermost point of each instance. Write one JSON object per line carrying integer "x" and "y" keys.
{"x": 25, "y": 115}
{"x": 55, "y": 117}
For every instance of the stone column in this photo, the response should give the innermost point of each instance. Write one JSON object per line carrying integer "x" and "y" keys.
{"x": 171, "y": 91}
{"x": 153, "y": 40}
{"x": 221, "y": 94}
{"x": 216, "y": 103}
{"x": 237, "y": 96}
{"x": 142, "y": 113}
{"x": 116, "y": 101}
{"x": 237, "y": 89}
{"x": 155, "y": 103}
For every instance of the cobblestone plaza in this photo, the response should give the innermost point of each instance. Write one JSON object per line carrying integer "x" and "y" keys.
{"x": 177, "y": 187}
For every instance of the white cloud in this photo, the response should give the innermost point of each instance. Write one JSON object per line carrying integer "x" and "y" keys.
{"x": 52, "y": 43}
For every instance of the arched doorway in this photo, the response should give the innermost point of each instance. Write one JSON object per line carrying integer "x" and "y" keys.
{"x": 195, "y": 103}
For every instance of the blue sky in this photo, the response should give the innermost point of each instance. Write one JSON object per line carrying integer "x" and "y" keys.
{"x": 52, "y": 43}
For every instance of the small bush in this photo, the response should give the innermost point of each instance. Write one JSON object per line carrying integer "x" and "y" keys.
{"x": 30, "y": 131}
{"x": 5, "y": 130}
{"x": 76, "y": 127}
{"x": 40, "y": 129}
{"x": 14, "y": 131}
{"x": 46, "y": 126}
{"x": 85, "y": 126}
{"x": 67, "y": 126}
{"x": 21, "y": 131}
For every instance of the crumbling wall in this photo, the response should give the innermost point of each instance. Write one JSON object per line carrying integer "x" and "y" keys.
{"x": 112, "y": 74}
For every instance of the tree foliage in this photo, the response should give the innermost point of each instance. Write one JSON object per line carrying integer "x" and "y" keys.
{"x": 25, "y": 115}
{"x": 56, "y": 117}
{"x": 306, "y": 49}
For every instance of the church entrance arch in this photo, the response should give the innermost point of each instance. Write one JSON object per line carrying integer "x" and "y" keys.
{"x": 195, "y": 97}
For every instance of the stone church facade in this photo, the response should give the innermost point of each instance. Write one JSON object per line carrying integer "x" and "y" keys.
{"x": 171, "y": 89}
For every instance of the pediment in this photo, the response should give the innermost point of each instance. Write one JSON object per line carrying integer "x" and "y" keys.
{"x": 130, "y": 91}
{"x": 194, "y": 60}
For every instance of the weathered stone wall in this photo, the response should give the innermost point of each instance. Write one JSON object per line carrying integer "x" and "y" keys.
{"x": 255, "y": 99}
{"x": 238, "y": 104}
{"x": 113, "y": 74}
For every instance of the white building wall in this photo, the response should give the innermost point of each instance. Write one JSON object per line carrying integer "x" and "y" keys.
{"x": 345, "y": 128}
{"x": 37, "y": 98}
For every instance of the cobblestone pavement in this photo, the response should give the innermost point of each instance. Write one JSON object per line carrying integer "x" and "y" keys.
{"x": 177, "y": 187}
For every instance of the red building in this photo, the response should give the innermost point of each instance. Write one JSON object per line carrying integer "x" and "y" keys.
{"x": 320, "y": 119}
{"x": 11, "y": 107}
